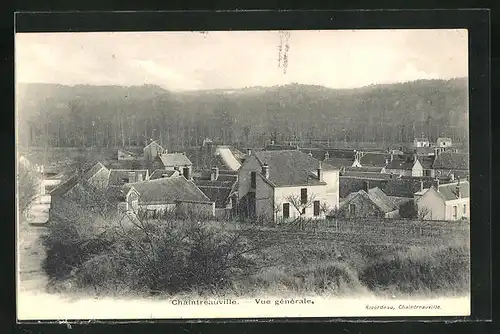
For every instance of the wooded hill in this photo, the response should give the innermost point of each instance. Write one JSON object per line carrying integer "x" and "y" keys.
{"x": 113, "y": 116}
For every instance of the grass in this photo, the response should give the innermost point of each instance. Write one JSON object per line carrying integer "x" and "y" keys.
{"x": 176, "y": 257}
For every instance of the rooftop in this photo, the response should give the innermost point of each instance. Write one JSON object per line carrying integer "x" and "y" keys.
{"x": 452, "y": 161}
{"x": 449, "y": 190}
{"x": 174, "y": 159}
{"x": 160, "y": 173}
{"x": 292, "y": 167}
{"x": 373, "y": 159}
{"x": 169, "y": 191}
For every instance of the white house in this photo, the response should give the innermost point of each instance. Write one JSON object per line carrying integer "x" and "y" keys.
{"x": 421, "y": 142}
{"x": 404, "y": 166}
{"x": 152, "y": 150}
{"x": 283, "y": 185}
{"x": 445, "y": 202}
{"x": 443, "y": 142}
{"x": 174, "y": 161}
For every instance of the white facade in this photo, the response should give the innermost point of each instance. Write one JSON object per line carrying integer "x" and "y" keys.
{"x": 433, "y": 207}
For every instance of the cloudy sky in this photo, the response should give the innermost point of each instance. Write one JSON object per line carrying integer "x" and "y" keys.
{"x": 193, "y": 60}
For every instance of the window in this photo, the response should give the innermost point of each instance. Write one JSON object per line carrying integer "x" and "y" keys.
{"x": 253, "y": 180}
{"x": 455, "y": 212}
{"x": 286, "y": 210}
{"x": 303, "y": 196}
{"x": 316, "y": 208}
{"x": 465, "y": 209}
{"x": 352, "y": 209}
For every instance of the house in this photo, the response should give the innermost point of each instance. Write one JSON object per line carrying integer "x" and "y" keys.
{"x": 175, "y": 194}
{"x": 126, "y": 155}
{"x": 370, "y": 159}
{"x": 404, "y": 166}
{"x": 82, "y": 188}
{"x": 421, "y": 142}
{"x": 119, "y": 177}
{"x": 426, "y": 162}
{"x": 283, "y": 185}
{"x": 444, "y": 202}
{"x": 161, "y": 173}
{"x": 367, "y": 203}
{"x": 447, "y": 163}
{"x": 280, "y": 147}
{"x": 443, "y": 142}
{"x": 152, "y": 150}
{"x": 174, "y": 161}
{"x": 221, "y": 188}
{"x": 334, "y": 157}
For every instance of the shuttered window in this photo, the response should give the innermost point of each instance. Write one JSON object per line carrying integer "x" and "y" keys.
{"x": 316, "y": 208}
{"x": 303, "y": 195}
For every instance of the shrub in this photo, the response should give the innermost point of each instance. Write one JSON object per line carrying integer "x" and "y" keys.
{"x": 420, "y": 270}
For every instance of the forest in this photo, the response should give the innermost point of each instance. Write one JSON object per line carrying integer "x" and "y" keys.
{"x": 118, "y": 116}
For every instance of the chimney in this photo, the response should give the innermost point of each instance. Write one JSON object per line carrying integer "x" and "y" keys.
{"x": 452, "y": 177}
{"x": 386, "y": 162}
{"x": 327, "y": 155}
{"x": 320, "y": 172}
{"x": 265, "y": 171}
{"x": 215, "y": 174}
{"x": 188, "y": 173}
{"x": 366, "y": 186}
{"x": 392, "y": 156}
{"x": 459, "y": 195}
{"x": 421, "y": 185}
{"x": 249, "y": 151}
{"x": 437, "y": 184}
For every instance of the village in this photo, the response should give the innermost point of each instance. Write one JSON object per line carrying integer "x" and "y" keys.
{"x": 273, "y": 185}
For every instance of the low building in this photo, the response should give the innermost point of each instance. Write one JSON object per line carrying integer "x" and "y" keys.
{"x": 163, "y": 173}
{"x": 404, "y": 166}
{"x": 444, "y": 202}
{"x": 443, "y": 142}
{"x": 368, "y": 203}
{"x": 371, "y": 159}
{"x": 447, "y": 163}
{"x": 283, "y": 185}
{"x": 174, "y": 194}
{"x": 152, "y": 150}
{"x": 174, "y": 161}
{"x": 221, "y": 188}
{"x": 421, "y": 142}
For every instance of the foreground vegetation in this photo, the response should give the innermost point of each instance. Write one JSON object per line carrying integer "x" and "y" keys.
{"x": 172, "y": 255}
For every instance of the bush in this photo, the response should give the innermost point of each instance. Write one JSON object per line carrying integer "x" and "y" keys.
{"x": 419, "y": 270}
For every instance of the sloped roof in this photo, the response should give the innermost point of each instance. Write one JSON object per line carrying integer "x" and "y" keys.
{"x": 153, "y": 142}
{"x": 319, "y": 153}
{"x": 160, "y": 173}
{"x": 363, "y": 169}
{"x": 280, "y": 147}
{"x": 400, "y": 163}
{"x": 175, "y": 159}
{"x": 116, "y": 176}
{"x": 219, "y": 195}
{"x": 136, "y": 164}
{"x": 441, "y": 139}
{"x": 368, "y": 175}
{"x": 349, "y": 185}
{"x": 115, "y": 194}
{"x": 405, "y": 187}
{"x": 425, "y": 150}
{"x": 338, "y": 162}
{"x": 376, "y": 196}
{"x": 75, "y": 179}
{"x": 426, "y": 162}
{"x": 452, "y": 160}
{"x": 289, "y": 168}
{"x": 374, "y": 159}
{"x": 449, "y": 191}
{"x": 384, "y": 202}
{"x": 169, "y": 191}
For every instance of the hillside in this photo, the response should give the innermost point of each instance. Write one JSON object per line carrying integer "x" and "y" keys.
{"x": 115, "y": 115}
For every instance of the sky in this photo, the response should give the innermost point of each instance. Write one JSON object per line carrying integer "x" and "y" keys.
{"x": 183, "y": 61}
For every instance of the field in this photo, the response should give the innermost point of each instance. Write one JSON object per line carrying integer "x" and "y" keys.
{"x": 343, "y": 258}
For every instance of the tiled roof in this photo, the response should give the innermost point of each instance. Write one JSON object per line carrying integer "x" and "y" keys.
{"x": 153, "y": 142}
{"x": 384, "y": 202}
{"x": 159, "y": 173}
{"x": 452, "y": 161}
{"x": 65, "y": 186}
{"x": 338, "y": 162}
{"x": 426, "y": 162}
{"x": 288, "y": 168}
{"x": 449, "y": 191}
{"x": 363, "y": 169}
{"x": 175, "y": 159}
{"x": 405, "y": 187}
{"x": 219, "y": 195}
{"x": 169, "y": 191}
{"x": 116, "y": 176}
{"x": 349, "y": 185}
{"x": 115, "y": 194}
{"x": 92, "y": 171}
{"x": 368, "y": 175}
{"x": 319, "y": 153}
{"x": 126, "y": 164}
{"x": 400, "y": 163}
{"x": 374, "y": 159}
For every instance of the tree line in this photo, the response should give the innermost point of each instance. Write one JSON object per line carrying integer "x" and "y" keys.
{"x": 113, "y": 116}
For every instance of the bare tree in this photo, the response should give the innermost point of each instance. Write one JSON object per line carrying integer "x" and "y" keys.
{"x": 301, "y": 206}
